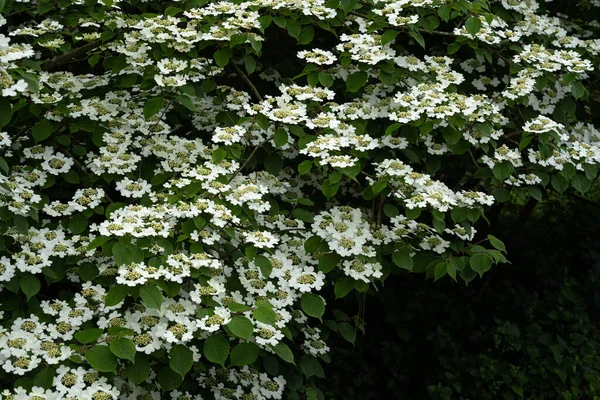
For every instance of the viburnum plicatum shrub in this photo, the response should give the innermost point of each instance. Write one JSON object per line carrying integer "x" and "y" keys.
{"x": 184, "y": 183}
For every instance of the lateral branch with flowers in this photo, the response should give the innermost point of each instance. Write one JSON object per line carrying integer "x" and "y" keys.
{"x": 183, "y": 184}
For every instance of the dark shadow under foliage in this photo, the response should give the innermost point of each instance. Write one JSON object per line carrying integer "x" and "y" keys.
{"x": 527, "y": 330}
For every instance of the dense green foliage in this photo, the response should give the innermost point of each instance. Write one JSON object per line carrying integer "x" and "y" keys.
{"x": 195, "y": 193}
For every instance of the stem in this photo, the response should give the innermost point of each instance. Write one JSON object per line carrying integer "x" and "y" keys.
{"x": 248, "y": 81}
{"x": 245, "y": 163}
{"x": 59, "y": 60}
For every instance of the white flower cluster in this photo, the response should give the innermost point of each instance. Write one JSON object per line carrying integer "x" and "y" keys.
{"x": 134, "y": 186}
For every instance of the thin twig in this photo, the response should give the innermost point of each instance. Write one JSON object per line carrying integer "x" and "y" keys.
{"x": 244, "y": 164}
{"x": 59, "y": 60}
{"x": 248, "y": 81}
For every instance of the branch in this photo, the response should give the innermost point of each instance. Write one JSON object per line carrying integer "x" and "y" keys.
{"x": 59, "y": 60}
{"x": 244, "y": 164}
{"x": 245, "y": 77}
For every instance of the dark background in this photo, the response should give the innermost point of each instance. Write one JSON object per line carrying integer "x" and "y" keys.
{"x": 526, "y": 330}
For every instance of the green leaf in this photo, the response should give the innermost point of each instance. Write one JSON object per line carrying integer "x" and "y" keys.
{"x": 284, "y": 352}
{"x": 293, "y": 28}
{"x": 578, "y": 90}
{"x": 402, "y": 260}
{"x": 237, "y": 307}
{"x": 187, "y": 102}
{"x": 388, "y": 36}
{"x": 343, "y": 286}
{"x": 89, "y": 335}
{"x": 559, "y": 183}
{"x": 418, "y": 37}
{"x": 139, "y": 371}
{"x": 45, "y": 377}
{"x": 30, "y": 285}
{"x": 264, "y": 265}
{"x": 222, "y": 57}
{"x": 244, "y": 354}
{"x": 123, "y": 254}
{"x": 305, "y": 167}
{"x": 181, "y": 359}
{"x": 116, "y": 294}
{"x": 265, "y": 314}
{"x": 42, "y": 130}
{"x": 473, "y": 25}
{"x": 152, "y": 106}
{"x": 303, "y": 215}
{"x": 328, "y": 262}
{"x": 97, "y": 242}
{"x": 5, "y": 112}
{"x": 169, "y": 379}
{"x": 280, "y": 138}
{"x": 439, "y": 271}
{"x": 312, "y": 305}
{"x": 347, "y": 331}
{"x": 101, "y": 358}
{"x": 497, "y": 243}
{"x": 249, "y": 64}
{"x": 480, "y": 263}
{"x": 151, "y": 296}
{"x": 123, "y": 348}
{"x": 216, "y": 349}
{"x": 307, "y": 34}
{"x": 78, "y": 223}
{"x": 581, "y": 183}
{"x": 501, "y": 171}
{"x": 21, "y": 224}
{"x": 4, "y": 166}
{"x": 355, "y": 81}
{"x": 241, "y": 326}
{"x": 309, "y": 365}
{"x": 325, "y": 79}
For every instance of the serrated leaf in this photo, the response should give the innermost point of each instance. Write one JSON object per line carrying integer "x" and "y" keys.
{"x": 138, "y": 371}
{"x": 473, "y": 25}
{"x": 244, "y": 354}
{"x": 265, "y": 315}
{"x": 581, "y": 183}
{"x": 222, "y": 57}
{"x": 123, "y": 348}
{"x": 169, "y": 379}
{"x": 89, "y": 335}
{"x": 152, "y": 106}
{"x": 343, "y": 286}
{"x": 312, "y": 305}
{"x": 181, "y": 359}
{"x": 497, "y": 243}
{"x": 30, "y": 285}
{"x": 578, "y": 90}
{"x": 45, "y": 377}
{"x": 101, "y": 358}
{"x": 216, "y": 349}
{"x": 309, "y": 365}
{"x": 5, "y": 112}
{"x": 151, "y": 296}
{"x": 42, "y": 130}
{"x": 280, "y": 138}
{"x": 241, "y": 326}
{"x": 402, "y": 260}
{"x": 264, "y": 265}
{"x": 480, "y": 263}
{"x": 355, "y": 81}
{"x": 347, "y": 331}
{"x": 115, "y": 295}
{"x": 284, "y": 352}
{"x": 328, "y": 262}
